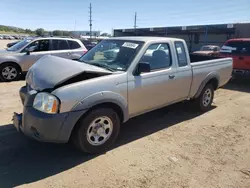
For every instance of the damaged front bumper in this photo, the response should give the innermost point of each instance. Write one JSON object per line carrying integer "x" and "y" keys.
{"x": 55, "y": 128}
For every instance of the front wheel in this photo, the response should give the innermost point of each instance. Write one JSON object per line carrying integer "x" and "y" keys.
{"x": 205, "y": 100}
{"x": 97, "y": 131}
{"x": 9, "y": 72}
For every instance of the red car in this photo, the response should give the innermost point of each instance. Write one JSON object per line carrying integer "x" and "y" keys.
{"x": 239, "y": 50}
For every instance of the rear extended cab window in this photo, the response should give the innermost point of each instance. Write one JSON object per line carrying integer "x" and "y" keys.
{"x": 181, "y": 53}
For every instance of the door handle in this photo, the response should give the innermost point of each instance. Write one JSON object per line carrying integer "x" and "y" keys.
{"x": 171, "y": 76}
{"x": 69, "y": 53}
{"x": 241, "y": 58}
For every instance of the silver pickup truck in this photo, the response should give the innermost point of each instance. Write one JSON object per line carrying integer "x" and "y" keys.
{"x": 87, "y": 100}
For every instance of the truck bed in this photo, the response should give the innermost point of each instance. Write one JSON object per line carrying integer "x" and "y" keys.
{"x": 202, "y": 70}
{"x": 196, "y": 58}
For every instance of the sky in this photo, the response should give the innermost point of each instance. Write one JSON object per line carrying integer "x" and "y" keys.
{"x": 111, "y": 14}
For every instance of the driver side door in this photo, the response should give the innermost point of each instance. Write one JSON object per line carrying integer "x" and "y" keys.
{"x": 37, "y": 49}
{"x": 153, "y": 89}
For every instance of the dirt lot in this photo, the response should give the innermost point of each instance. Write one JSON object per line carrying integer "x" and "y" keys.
{"x": 170, "y": 147}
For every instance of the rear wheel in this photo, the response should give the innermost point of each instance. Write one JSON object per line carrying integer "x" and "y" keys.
{"x": 9, "y": 72}
{"x": 205, "y": 100}
{"x": 97, "y": 131}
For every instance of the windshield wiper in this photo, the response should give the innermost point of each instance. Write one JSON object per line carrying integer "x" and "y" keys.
{"x": 102, "y": 66}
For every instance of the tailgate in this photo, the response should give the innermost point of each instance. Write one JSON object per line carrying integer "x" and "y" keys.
{"x": 241, "y": 62}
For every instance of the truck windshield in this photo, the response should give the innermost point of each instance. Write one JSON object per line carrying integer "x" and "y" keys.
{"x": 115, "y": 55}
{"x": 19, "y": 45}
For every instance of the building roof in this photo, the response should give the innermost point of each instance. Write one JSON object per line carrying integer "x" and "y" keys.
{"x": 192, "y": 29}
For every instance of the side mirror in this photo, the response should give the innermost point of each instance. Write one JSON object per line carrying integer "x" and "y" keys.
{"x": 141, "y": 68}
{"x": 31, "y": 49}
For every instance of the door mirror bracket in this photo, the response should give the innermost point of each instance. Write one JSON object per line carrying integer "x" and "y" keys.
{"x": 142, "y": 68}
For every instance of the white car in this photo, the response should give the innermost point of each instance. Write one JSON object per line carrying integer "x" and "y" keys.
{"x": 17, "y": 59}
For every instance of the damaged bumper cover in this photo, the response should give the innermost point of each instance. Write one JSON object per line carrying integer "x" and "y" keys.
{"x": 55, "y": 128}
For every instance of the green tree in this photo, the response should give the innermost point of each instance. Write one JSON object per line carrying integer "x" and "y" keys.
{"x": 40, "y": 31}
{"x": 66, "y": 33}
{"x": 57, "y": 33}
{"x": 4, "y": 28}
{"x": 28, "y": 31}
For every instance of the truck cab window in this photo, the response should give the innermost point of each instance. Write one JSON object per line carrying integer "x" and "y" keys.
{"x": 158, "y": 56}
{"x": 181, "y": 54}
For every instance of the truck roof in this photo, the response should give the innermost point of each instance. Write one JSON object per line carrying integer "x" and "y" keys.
{"x": 145, "y": 39}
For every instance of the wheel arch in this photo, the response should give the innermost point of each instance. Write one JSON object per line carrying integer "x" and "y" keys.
{"x": 110, "y": 98}
{"x": 111, "y": 105}
{"x": 18, "y": 67}
{"x": 105, "y": 99}
{"x": 213, "y": 79}
{"x": 11, "y": 62}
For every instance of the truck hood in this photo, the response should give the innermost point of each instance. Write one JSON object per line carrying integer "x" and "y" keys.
{"x": 50, "y": 72}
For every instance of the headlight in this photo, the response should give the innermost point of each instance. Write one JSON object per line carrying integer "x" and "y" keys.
{"x": 46, "y": 103}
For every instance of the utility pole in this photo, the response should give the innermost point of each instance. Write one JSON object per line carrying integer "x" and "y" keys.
{"x": 135, "y": 22}
{"x": 90, "y": 21}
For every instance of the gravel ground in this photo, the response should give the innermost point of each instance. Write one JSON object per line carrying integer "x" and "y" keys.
{"x": 170, "y": 147}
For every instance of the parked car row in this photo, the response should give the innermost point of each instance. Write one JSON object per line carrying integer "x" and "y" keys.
{"x": 12, "y": 37}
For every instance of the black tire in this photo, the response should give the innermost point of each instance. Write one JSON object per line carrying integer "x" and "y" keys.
{"x": 80, "y": 134}
{"x": 14, "y": 66}
{"x": 203, "y": 104}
